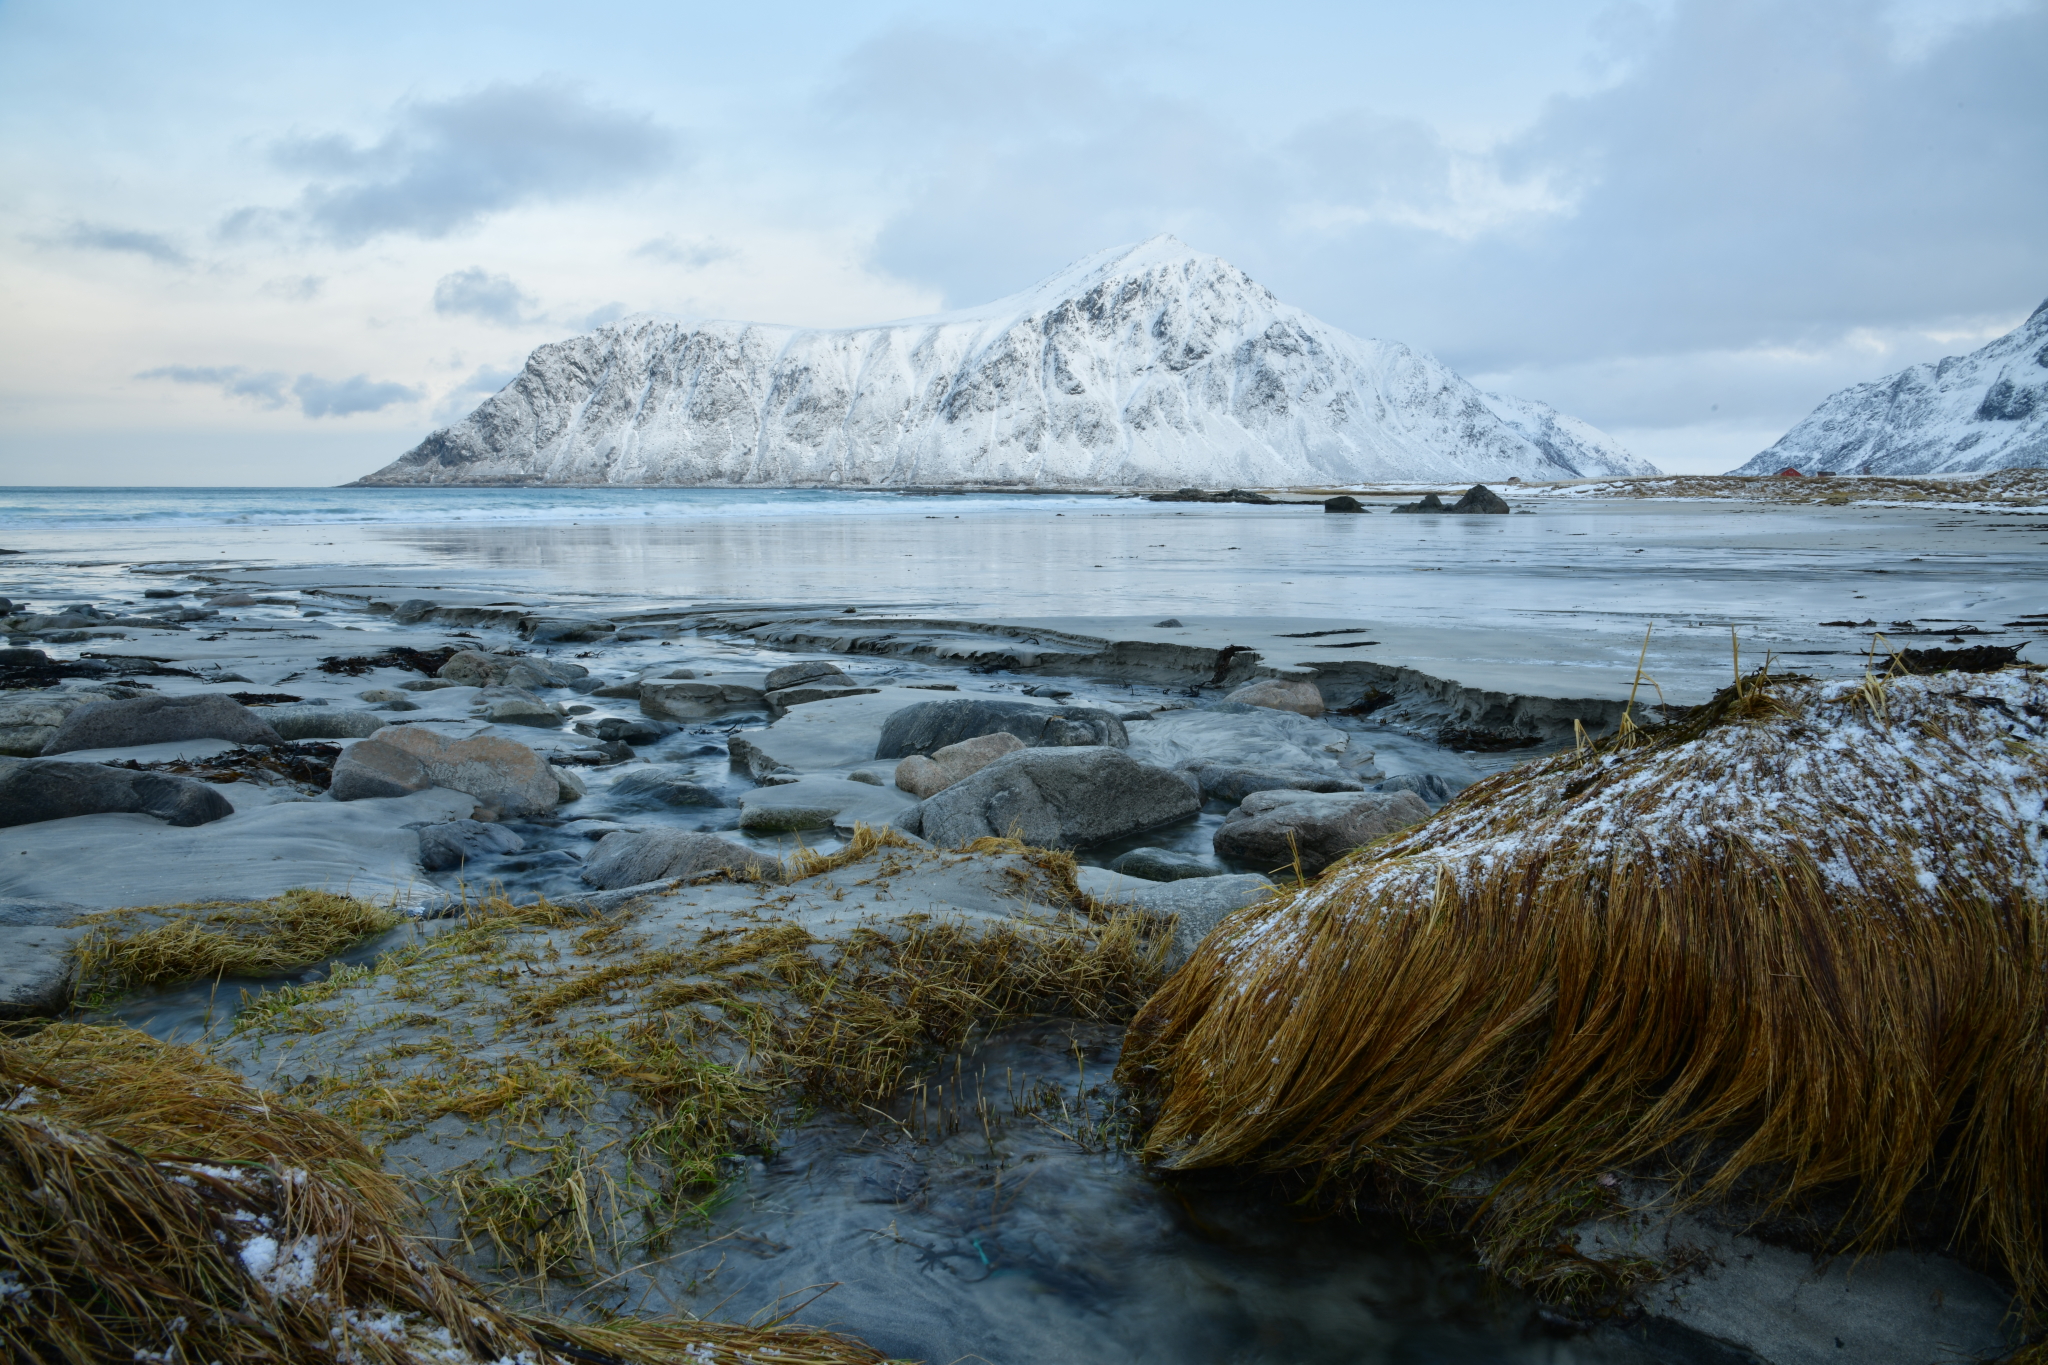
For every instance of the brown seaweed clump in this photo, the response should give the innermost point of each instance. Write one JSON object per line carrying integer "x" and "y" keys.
{"x": 1788, "y": 945}
{"x": 155, "y": 1209}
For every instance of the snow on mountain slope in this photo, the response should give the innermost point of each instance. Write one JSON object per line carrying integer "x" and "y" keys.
{"x": 1968, "y": 414}
{"x": 1151, "y": 366}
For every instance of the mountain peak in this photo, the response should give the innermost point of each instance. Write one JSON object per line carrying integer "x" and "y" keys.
{"x": 1968, "y": 414}
{"x": 1146, "y": 365}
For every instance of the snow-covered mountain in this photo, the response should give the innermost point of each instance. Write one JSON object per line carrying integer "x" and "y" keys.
{"x": 1152, "y": 366}
{"x": 1968, "y": 414}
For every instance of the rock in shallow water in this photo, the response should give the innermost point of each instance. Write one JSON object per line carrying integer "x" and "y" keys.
{"x": 1323, "y": 828}
{"x": 929, "y": 726}
{"x": 453, "y": 843}
{"x": 158, "y": 720}
{"x": 661, "y": 787}
{"x": 1163, "y": 865}
{"x": 631, "y": 859}
{"x": 1223, "y": 782}
{"x": 1059, "y": 798}
{"x": 33, "y": 790}
{"x": 815, "y": 673}
{"x": 1281, "y": 694}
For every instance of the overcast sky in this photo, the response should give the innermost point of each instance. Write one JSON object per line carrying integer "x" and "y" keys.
{"x": 277, "y": 244}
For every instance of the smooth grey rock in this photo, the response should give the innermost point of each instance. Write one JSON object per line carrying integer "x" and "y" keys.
{"x": 321, "y": 722}
{"x": 625, "y": 729}
{"x": 33, "y": 790}
{"x": 619, "y": 691}
{"x": 1343, "y": 502}
{"x": 1481, "y": 499}
{"x": 928, "y": 726}
{"x": 662, "y": 787}
{"x": 453, "y": 843}
{"x": 817, "y": 691}
{"x": 627, "y": 858}
{"x": 1163, "y": 865}
{"x": 926, "y": 777}
{"x": 522, "y": 711}
{"x": 818, "y": 803}
{"x": 1058, "y": 798}
{"x": 158, "y": 720}
{"x": 1428, "y": 786}
{"x": 411, "y": 610}
{"x": 29, "y": 720}
{"x": 1430, "y": 503}
{"x": 508, "y": 778}
{"x": 565, "y": 630}
{"x": 431, "y": 684}
{"x": 695, "y": 699}
{"x": 474, "y": 668}
{"x": 1281, "y": 694}
{"x": 1233, "y": 736}
{"x": 1170, "y": 623}
{"x": 381, "y": 694}
{"x": 373, "y": 771}
{"x": 1323, "y": 827}
{"x": 817, "y": 673}
{"x": 397, "y": 706}
{"x": 1200, "y": 906}
{"x": 37, "y": 969}
{"x": 1224, "y": 782}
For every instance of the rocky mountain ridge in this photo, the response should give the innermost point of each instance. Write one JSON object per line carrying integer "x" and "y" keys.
{"x": 1152, "y": 366}
{"x": 1967, "y": 414}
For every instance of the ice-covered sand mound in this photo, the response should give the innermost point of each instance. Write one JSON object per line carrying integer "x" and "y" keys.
{"x": 1791, "y": 942}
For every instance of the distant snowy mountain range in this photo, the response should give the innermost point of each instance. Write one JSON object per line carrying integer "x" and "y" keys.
{"x": 1151, "y": 366}
{"x": 1968, "y": 414}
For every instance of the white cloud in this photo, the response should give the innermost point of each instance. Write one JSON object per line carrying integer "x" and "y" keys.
{"x": 447, "y": 164}
{"x": 317, "y": 397}
{"x": 478, "y": 294}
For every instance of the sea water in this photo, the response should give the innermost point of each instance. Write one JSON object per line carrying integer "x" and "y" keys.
{"x": 1558, "y": 575}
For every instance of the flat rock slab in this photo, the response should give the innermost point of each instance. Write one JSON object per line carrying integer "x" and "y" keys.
{"x": 152, "y": 720}
{"x": 1236, "y": 735}
{"x": 37, "y": 971}
{"x": 360, "y": 848}
{"x": 819, "y": 803}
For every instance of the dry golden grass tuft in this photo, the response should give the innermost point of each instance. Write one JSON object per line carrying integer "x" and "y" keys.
{"x": 162, "y": 945}
{"x": 1792, "y": 945}
{"x": 152, "y": 1208}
